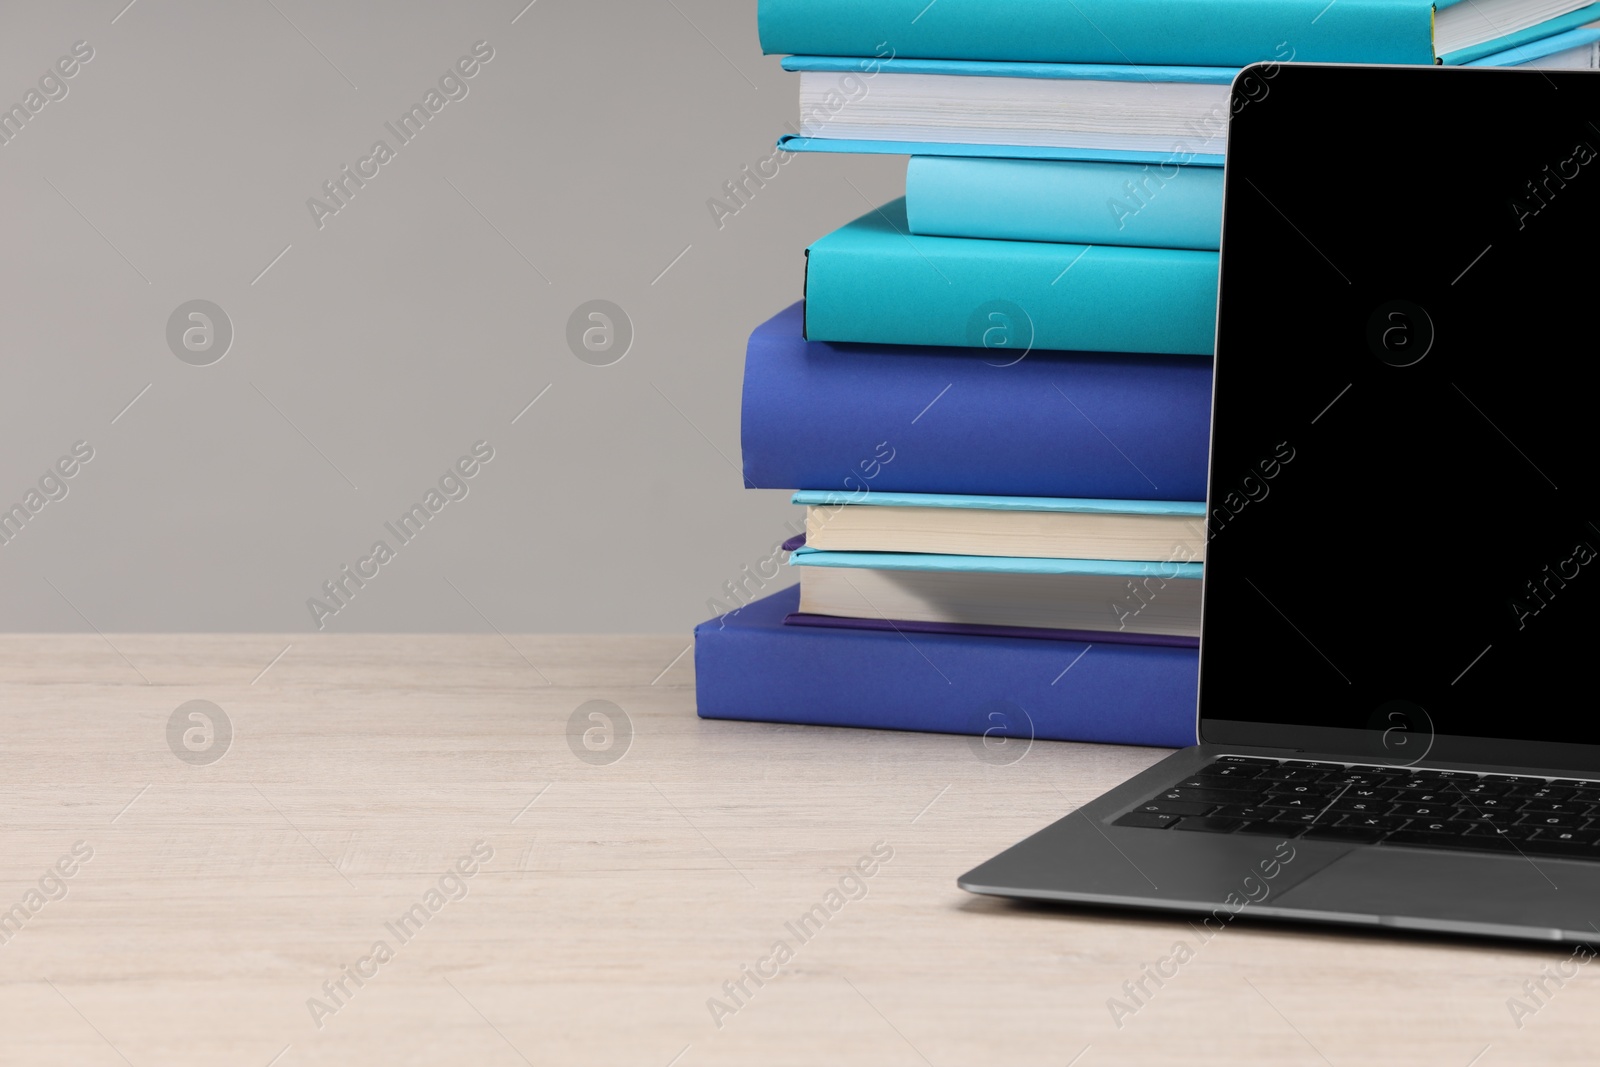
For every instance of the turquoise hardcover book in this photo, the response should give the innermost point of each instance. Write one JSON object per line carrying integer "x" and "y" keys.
{"x": 1217, "y": 33}
{"x": 1146, "y": 205}
{"x": 874, "y": 281}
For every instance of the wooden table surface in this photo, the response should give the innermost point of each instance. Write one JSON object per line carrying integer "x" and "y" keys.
{"x": 216, "y": 905}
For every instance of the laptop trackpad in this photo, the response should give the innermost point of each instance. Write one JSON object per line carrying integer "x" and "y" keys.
{"x": 1436, "y": 890}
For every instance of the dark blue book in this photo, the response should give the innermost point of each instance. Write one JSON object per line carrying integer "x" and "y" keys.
{"x": 749, "y": 665}
{"x": 855, "y": 418}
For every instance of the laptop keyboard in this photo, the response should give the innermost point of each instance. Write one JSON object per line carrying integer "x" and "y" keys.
{"x": 1413, "y": 807}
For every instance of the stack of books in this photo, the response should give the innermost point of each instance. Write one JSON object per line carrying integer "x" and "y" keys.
{"x": 994, "y": 399}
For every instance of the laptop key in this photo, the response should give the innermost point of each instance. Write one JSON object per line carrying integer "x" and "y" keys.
{"x": 1360, "y": 807}
{"x": 1493, "y": 817}
{"x": 1422, "y": 811}
{"x": 1378, "y": 823}
{"x": 1247, "y": 812}
{"x": 1213, "y": 796}
{"x": 1359, "y": 778}
{"x": 1561, "y": 822}
{"x": 1549, "y": 792}
{"x": 1509, "y": 831}
{"x": 1304, "y": 818}
{"x": 1484, "y": 789}
{"x": 1229, "y": 770}
{"x": 1570, "y": 837}
{"x": 1292, "y": 774}
{"x": 1554, "y": 807}
{"x": 1293, "y": 803}
{"x": 1304, "y": 789}
{"x": 1176, "y": 807}
{"x": 1147, "y": 819}
{"x": 1216, "y": 826}
{"x": 1201, "y": 781}
{"x": 1270, "y": 829}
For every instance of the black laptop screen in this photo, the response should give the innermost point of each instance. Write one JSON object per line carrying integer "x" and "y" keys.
{"x": 1404, "y": 525}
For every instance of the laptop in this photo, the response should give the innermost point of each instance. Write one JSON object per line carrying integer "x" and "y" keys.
{"x": 1397, "y": 715}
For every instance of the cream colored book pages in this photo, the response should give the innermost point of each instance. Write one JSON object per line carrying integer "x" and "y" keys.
{"x": 985, "y": 532}
{"x": 1058, "y": 112}
{"x": 1152, "y": 605}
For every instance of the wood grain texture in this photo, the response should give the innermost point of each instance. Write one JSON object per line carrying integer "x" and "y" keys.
{"x": 619, "y": 897}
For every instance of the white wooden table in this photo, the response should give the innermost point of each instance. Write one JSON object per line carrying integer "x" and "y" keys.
{"x": 226, "y": 897}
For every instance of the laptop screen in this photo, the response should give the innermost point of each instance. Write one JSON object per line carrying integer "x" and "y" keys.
{"x": 1404, "y": 525}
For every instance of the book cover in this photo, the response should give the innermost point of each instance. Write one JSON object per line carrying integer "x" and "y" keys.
{"x": 873, "y": 281}
{"x": 1215, "y": 33}
{"x": 1192, "y": 509}
{"x": 749, "y": 665}
{"x": 858, "y": 420}
{"x": 1151, "y": 205}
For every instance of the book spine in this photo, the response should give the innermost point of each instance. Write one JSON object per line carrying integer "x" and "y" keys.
{"x": 871, "y": 282}
{"x": 1008, "y": 691}
{"x": 1219, "y": 33}
{"x": 857, "y": 419}
{"x": 1155, "y": 206}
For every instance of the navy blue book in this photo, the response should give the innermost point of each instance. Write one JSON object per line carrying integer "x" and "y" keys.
{"x": 749, "y": 665}
{"x": 1000, "y": 421}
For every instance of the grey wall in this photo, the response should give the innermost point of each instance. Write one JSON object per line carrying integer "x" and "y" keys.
{"x": 420, "y": 318}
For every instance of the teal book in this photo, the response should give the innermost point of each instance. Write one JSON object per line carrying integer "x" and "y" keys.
{"x": 874, "y": 281}
{"x": 1149, "y": 206}
{"x": 1216, "y": 33}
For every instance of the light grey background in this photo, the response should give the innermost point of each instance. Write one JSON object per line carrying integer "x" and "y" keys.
{"x": 377, "y": 349}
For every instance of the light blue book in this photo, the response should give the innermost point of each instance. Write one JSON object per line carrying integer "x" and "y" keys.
{"x": 1229, "y": 33}
{"x": 873, "y": 281}
{"x": 1145, "y": 205}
